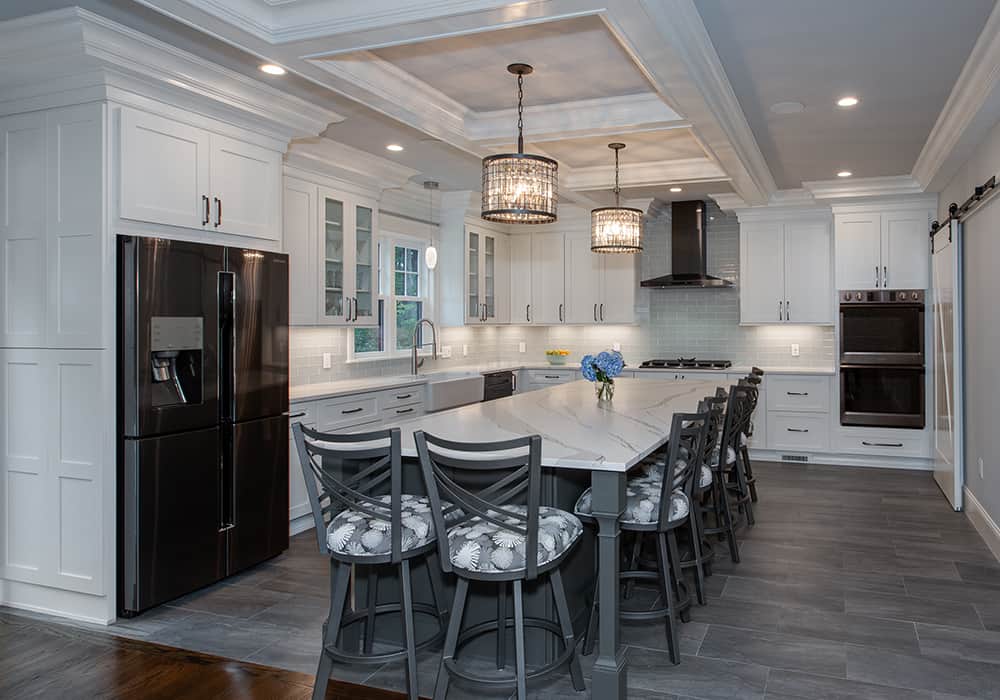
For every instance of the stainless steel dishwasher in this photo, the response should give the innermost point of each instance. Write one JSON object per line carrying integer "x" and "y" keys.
{"x": 497, "y": 385}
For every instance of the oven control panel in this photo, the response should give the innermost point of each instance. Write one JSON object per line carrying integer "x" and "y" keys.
{"x": 881, "y": 296}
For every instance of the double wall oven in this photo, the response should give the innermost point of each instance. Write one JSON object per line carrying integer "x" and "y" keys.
{"x": 882, "y": 358}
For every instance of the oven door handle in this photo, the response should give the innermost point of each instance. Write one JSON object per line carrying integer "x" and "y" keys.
{"x": 911, "y": 368}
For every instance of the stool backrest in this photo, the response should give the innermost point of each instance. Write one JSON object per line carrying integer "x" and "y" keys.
{"x": 482, "y": 480}
{"x": 715, "y": 406}
{"x": 684, "y": 457}
{"x": 360, "y": 471}
{"x": 738, "y": 414}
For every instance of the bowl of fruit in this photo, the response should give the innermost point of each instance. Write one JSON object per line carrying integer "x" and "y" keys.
{"x": 557, "y": 357}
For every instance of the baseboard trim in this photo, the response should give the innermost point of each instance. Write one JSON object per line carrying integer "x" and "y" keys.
{"x": 981, "y": 520}
{"x": 846, "y": 460}
{"x": 36, "y": 598}
{"x": 300, "y": 524}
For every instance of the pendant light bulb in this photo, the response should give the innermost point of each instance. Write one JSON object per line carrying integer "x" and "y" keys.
{"x": 430, "y": 253}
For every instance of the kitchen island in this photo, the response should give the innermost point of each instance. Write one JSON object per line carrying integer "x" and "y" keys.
{"x": 581, "y": 439}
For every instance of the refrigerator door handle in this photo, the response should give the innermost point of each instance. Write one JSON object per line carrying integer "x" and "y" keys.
{"x": 227, "y": 343}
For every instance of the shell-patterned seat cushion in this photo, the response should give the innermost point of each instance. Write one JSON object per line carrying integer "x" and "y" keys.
{"x": 655, "y": 470}
{"x": 730, "y": 456}
{"x": 480, "y": 546}
{"x": 358, "y": 534}
{"x": 642, "y": 502}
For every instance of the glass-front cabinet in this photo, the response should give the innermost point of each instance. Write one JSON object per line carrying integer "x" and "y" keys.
{"x": 487, "y": 268}
{"x": 349, "y": 272}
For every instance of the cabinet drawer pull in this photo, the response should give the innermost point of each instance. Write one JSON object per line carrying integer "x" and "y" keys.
{"x": 297, "y": 415}
{"x": 797, "y": 430}
{"x": 885, "y": 275}
{"x": 788, "y": 310}
{"x": 359, "y": 409}
{"x": 552, "y": 376}
{"x": 881, "y": 444}
{"x": 595, "y": 313}
{"x": 208, "y": 212}
{"x": 779, "y": 311}
{"x": 403, "y": 396}
{"x": 355, "y": 309}
{"x": 560, "y": 313}
{"x": 404, "y": 410}
{"x": 876, "y": 275}
{"x": 527, "y": 313}
{"x": 602, "y": 312}
{"x": 797, "y": 393}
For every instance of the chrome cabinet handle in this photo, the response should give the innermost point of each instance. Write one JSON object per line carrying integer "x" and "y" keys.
{"x": 881, "y": 444}
{"x": 797, "y": 430}
{"x": 208, "y": 210}
{"x": 797, "y": 393}
{"x": 218, "y": 212}
{"x": 602, "y": 312}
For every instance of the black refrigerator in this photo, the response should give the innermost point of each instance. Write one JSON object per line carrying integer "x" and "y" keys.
{"x": 202, "y": 415}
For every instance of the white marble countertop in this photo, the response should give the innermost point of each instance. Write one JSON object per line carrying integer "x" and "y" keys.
{"x": 577, "y": 433}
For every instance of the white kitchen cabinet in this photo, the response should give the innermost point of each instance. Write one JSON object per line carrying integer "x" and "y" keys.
{"x": 299, "y": 225}
{"x": 583, "y": 279}
{"x": 620, "y": 280}
{"x": 487, "y": 277}
{"x": 786, "y": 272}
{"x": 883, "y": 249}
{"x": 181, "y": 175}
{"x": 520, "y": 278}
{"x": 51, "y": 223}
{"x": 348, "y": 258}
{"x": 548, "y": 303}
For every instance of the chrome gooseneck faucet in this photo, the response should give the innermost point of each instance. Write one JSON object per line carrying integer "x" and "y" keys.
{"x": 414, "y": 364}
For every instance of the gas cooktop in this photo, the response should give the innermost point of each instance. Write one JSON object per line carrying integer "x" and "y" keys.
{"x": 686, "y": 363}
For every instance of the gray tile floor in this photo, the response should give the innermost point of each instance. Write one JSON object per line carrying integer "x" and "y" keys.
{"x": 855, "y": 583}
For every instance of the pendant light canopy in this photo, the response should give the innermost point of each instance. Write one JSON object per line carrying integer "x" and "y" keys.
{"x": 520, "y": 188}
{"x": 430, "y": 253}
{"x": 616, "y": 229}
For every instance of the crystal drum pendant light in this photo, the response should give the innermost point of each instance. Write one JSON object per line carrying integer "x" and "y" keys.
{"x": 520, "y": 188}
{"x": 616, "y": 229}
{"x": 430, "y": 253}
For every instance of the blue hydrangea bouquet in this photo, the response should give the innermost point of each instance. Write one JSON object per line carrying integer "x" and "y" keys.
{"x": 602, "y": 370}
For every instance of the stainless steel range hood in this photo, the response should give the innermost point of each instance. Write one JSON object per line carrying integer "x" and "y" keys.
{"x": 688, "y": 250}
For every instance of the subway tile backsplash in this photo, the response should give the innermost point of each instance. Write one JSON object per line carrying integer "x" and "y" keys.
{"x": 672, "y": 323}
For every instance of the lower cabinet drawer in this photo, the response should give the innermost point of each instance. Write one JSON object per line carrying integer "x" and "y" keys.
{"x": 911, "y": 444}
{"x": 391, "y": 416}
{"x": 798, "y": 393}
{"x": 551, "y": 376}
{"x": 798, "y": 431}
{"x": 346, "y": 411}
{"x": 407, "y": 396}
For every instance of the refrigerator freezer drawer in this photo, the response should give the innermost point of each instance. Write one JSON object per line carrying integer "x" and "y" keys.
{"x": 172, "y": 544}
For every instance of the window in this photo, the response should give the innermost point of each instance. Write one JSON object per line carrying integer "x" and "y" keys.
{"x": 404, "y": 299}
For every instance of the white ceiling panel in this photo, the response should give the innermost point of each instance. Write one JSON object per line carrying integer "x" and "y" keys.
{"x": 666, "y": 144}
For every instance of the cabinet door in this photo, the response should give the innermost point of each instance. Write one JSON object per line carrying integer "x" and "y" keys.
{"x": 246, "y": 182}
{"x": 75, "y": 215}
{"x": 365, "y": 259}
{"x": 501, "y": 280}
{"x": 23, "y": 203}
{"x": 583, "y": 281}
{"x": 334, "y": 270}
{"x": 164, "y": 171}
{"x": 809, "y": 291}
{"x": 547, "y": 302}
{"x": 905, "y": 250}
{"x": 520, "y": 279}
{"x": 488, "y": 283}
{"x": 762, "y": 273}
{"x": 859, "y": 254}
{"x": 473, "y": 284}
{"x": 299, "y": 241}
{"x": 620, "y": 282}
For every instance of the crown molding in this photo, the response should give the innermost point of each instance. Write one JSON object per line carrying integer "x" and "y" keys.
{"x": 866, "y": 187}
{"x": 972, "y": 108}
{"x": 644, "y": 173}
{"x": 606, "y": 115}
{"x": 49, "y": 47}
{"x": 342, "y": 162}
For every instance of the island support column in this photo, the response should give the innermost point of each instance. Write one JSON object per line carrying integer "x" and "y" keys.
{"x": 609, "y": 676}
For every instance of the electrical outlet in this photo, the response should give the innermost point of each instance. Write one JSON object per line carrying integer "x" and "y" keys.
{"x": 522, "y": 347}
{"x": 445, "y": 351}
{"x": 795, "y": 349}
{"x": 327, "y": 360}
{"x": 981, "y": 468}
{"x": 465, "y": 351}
{"x": 617, "y": 347}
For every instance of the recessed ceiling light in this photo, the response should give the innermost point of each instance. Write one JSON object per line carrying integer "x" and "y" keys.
{"x": 848, "y": 101}
{"x": 272, "y": 69}
{"x": 787, "y": 107}
{"x": 675, "y": 189}
{"x": 395, "y": 147}
{"x": 844, "y": 173}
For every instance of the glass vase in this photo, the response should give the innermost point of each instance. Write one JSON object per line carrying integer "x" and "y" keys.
{"x": 605, "y": 391}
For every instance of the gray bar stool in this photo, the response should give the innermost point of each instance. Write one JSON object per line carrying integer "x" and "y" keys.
{"x": 755, "y": 378}
{"x": 502, "y": 535}
{"x": 364, "y": 521}
{"x": 658, "y": 505}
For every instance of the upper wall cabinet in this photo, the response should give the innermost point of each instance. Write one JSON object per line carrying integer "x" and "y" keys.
{"x": 487, "y": 275}
{"x": 786, "y": 272}
{"x": 51, "y": 228}
{"x": 882, "y": 249}
{"x": 180, "y": 175}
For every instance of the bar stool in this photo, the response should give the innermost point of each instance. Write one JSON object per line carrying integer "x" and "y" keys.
{"x": 658, "y": 506}
{"x": 363, "y": 520}
{"x": 755, "y": 378}
{"x": 502, "y": 535}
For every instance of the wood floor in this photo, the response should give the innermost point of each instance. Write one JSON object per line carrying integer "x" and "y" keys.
{"x": 855, "y": 583}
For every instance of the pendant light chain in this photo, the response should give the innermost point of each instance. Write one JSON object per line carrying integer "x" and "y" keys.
{"x": 617, "y": 188}
{"x": 520, "y": 113}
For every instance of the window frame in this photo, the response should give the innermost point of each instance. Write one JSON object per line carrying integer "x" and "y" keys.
{"x": 387, "y": 244}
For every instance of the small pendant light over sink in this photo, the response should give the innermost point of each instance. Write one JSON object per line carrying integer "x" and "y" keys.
{"x": 616, "y": 229}
{"x": 520, "y": 188}
{"x": 430, "y": 253}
